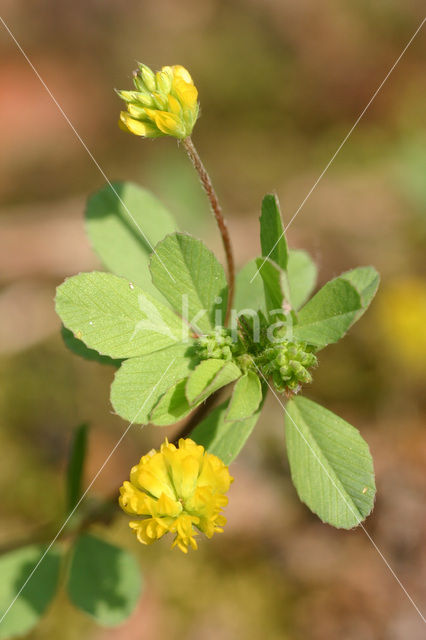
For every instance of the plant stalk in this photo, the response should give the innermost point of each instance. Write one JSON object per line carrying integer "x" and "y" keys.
{"x": 217, "y": 211}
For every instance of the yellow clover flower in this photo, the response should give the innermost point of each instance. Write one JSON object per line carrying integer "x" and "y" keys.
{"x": 164, "y": 103}
{"x": 176, "y": 489}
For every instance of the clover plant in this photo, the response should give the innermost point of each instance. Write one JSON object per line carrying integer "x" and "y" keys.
{"x": 191, "y": 342}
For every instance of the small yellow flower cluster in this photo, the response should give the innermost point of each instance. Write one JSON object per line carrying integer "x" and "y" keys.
{"x": 164, "y": 103}
{"x": 177, "y": 489}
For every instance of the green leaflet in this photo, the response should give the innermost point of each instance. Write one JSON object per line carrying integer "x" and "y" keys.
{"x": 124, "y": 224}
{"x": 246, "y": 397}
{"x": 140, "y": 382}
{"x": 15, "y": 568}
{"x": 272, "y": 236}
{"x": 275, "y": 283}
{"x": 172, "y": 406}
{"x": 79, "y": 349}
{"x": 222, "y": 437}
{"x": 302, "y": 276}
{"x": 330, "y": 463}
{"x": 208, "y": 377}
{"x": 337, "y": 306}
{"x": 76, "y": 466}
{"x": 329, "y": 314}
{"x": 198, "y": 290}
{"x": 201, "y": 377}
{"x": 104, "y": 580}
{"x": 186, "y": 394}
{"x": 366, "y": 281}
{"x": 115, "y": 317}
{"x": 249, "y": 294}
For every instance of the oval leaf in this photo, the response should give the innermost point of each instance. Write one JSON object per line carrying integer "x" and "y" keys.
{"x": 275, "y": 284}
{"x": 329, "y": 314}
{"x": 104, "y": 580}
{"x": 366, "y": 282}
{"x": 79, "y": 349}
{"x": 302, "y": 276}
{"x": 124, "y": 223}
{"x": 140, "y": 382}
{"x": 246, "y": 397}
{"x": 249, "y": 293}
{"x": 208, "y": 377}
{"x": 222, "y": 437}
{"x": 199, "y": 291}
{"x": 116, "y": 317}
{"x": 15, "y": 569}
{"x": 331, "y": 466}
{"x": 172, "y": 406}
{"x": 272, "y": 236}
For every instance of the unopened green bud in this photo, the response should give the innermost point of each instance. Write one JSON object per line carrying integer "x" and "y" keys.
{"x": 148, "y": 77}
{"x": 137, "y": 112}
{"x": 160, "y": 101}
{"x": 138, "y": 82}
{"x": 128, "y": 96}
{"x": 164, "y": 81}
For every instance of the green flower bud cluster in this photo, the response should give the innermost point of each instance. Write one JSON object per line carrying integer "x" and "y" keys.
{"x": 288, "y": 363}
{"x": 218, "y": 344}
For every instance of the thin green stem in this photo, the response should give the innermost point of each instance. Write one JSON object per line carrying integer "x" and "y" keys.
{"x": 217, "y": 211}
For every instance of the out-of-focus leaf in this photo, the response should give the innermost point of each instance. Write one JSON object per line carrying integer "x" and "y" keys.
{"x": 124, "y": 223}
{"x": 104, "y": 580}
{"x": 249, "y": 294}
{"x": 76, "y": 466}
{"x": 32, "y": 602}
{"x": 302, "y": 276}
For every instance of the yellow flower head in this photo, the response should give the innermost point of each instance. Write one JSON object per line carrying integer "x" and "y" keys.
{"x": 164, "y": 103}
{"x": 174, "y": 490}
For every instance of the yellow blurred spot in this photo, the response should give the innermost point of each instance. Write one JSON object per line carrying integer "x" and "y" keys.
{"x": 401, "y": 311}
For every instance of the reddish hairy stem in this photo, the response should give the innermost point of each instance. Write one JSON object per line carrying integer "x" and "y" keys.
{"x": 217, "y": 211}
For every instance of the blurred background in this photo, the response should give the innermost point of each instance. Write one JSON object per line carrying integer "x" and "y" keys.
{"x": 280, "y": 85}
